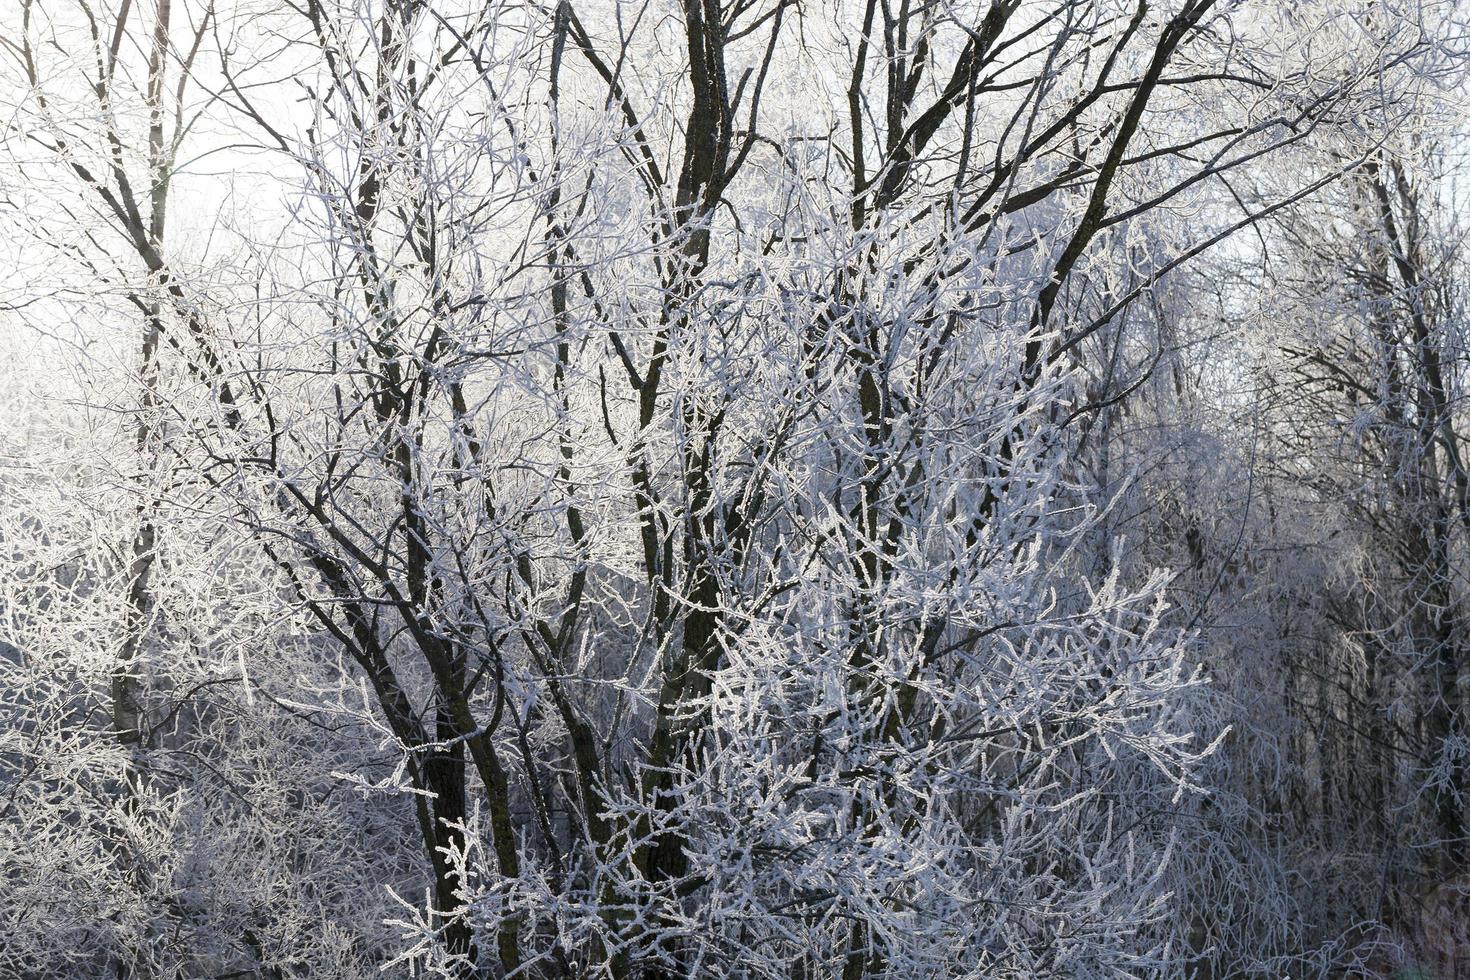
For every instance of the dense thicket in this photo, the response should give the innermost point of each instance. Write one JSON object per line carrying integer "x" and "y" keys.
{"x": 733, "y": 489}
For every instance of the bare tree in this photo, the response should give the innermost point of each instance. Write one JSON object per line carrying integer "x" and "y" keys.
{"x": 675, "y": 457}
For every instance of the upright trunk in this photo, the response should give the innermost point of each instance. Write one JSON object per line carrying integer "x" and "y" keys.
{"x": 444, "y": 774}
{"x": 127, "y": 707}
{"x": 128, "y": 720}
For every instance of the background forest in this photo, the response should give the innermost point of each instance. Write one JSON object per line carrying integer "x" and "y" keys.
{"x": 654, "y": 489}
